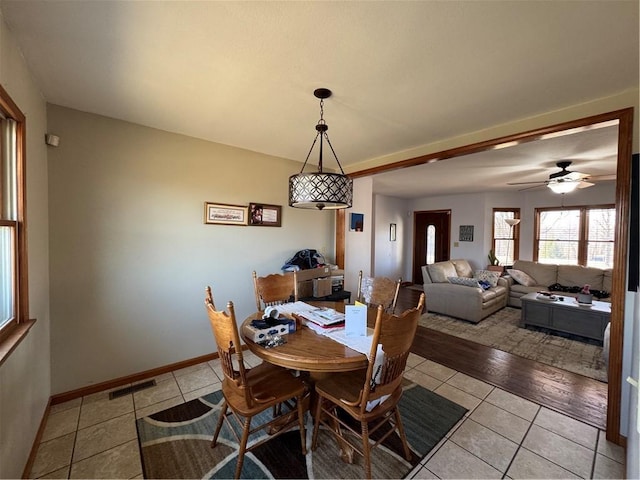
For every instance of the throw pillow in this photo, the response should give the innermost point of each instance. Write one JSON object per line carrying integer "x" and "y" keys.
{"x": 522, "y": 278}
{"x": 467, "y": 282}
{"x": 487, "y": 276}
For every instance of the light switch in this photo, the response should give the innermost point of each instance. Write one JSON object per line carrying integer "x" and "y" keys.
{"x": 456, "y": 244}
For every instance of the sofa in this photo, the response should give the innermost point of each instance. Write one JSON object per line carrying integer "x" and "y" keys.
{"x": 452, "y": 288}
{"x": 560, "y": 279}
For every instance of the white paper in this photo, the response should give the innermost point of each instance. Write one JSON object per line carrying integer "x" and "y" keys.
{"x": 359, "y": 344}
{"x": 355, "y": 320}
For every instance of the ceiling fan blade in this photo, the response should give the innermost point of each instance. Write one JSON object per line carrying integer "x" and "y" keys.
{"x": 575, "y": 176}
{"x": 601, "y": 177}
{"x": 528, "y": 183}
{"x": 584, "y": 184}
{"x": 530, "y": 188}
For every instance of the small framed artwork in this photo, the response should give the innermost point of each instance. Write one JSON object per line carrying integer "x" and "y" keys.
{"x": 224, "y": 214}
{"x": 357, "y": 222}
{"x": 466, "y": 233}
{"x": 261, "y": 215}
{"x": 392, "y": 232}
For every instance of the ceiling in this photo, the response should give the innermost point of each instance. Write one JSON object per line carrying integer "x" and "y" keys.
{"x": 592, "y": 152}
{"x": 403, "y": 74}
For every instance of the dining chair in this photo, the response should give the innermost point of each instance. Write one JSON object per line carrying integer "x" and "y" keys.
{"x": 250, "y": 392}
{"x": 275, "y": 289}
{"x": 374, "y": 291}
{"x": 370, "y": 397}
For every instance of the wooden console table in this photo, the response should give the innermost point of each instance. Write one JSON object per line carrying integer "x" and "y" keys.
{"x": 566, "y": 315}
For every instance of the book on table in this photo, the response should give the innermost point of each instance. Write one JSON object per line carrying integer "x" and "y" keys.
{"x": 322, "y": 316}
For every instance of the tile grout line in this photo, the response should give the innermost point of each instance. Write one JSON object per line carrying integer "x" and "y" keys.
{"x": 522, "y": 441}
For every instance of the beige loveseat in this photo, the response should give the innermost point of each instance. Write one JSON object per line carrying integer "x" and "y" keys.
{"x": 545, "y": 276}
{"x": 470, "y": 303}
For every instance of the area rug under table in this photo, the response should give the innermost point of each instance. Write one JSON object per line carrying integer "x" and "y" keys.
{"x": 176, "y": 443}
{"x": 501, "y": 331}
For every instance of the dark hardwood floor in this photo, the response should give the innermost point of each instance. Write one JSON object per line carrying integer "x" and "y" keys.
{"x": 577, "y": 396}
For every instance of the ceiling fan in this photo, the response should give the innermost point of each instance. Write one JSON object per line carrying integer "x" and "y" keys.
{"x": 564, "y": 181}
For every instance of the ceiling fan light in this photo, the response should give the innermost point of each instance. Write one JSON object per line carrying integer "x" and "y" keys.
{"x": 562, "y": 186}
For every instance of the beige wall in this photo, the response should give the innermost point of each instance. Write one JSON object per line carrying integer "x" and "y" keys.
{"x": 130, "y": 254}
{"x": 24, "y": 377}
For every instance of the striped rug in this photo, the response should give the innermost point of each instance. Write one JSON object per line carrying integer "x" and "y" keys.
{"x": 175, "y": 443}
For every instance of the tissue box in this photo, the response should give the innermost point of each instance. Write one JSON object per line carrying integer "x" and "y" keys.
{"x": 260, "y": 334}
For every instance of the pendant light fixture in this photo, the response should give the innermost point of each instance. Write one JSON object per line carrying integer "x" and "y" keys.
{"x": 321, "y": 190}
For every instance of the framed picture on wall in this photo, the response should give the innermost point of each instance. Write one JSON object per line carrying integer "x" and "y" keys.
{"x": 261, "y": 215}
{"x": 357, "y": 222}
{"x": 466, "y": 233}
{"x": 224, "y": 214}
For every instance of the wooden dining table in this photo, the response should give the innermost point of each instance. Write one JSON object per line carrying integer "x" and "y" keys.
{"x": 308, "y": 351}
{"x": 311, "y": 352}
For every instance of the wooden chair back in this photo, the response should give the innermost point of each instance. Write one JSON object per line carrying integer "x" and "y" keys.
{"x": 249, "y": 392}
{"x": 275, "y": 289}
{"x": 225, "y": 332}
{"x": 374, "y": 291}
{"x": 393, "y": 336}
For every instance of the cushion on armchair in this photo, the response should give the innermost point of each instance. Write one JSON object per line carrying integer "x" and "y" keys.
{"x": 544, "y": 273}
{"x": 522, "y": 278}
{"x": 467, "y": 282}
{"x": 463, "y": 269}
{"x": 441, "y": 271}
{"x": 487, "y": 276}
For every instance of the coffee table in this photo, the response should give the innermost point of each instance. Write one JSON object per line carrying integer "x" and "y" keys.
{"x": 566, "y": 315}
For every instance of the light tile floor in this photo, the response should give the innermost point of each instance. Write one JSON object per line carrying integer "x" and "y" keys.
{"x": 502, "y": 435}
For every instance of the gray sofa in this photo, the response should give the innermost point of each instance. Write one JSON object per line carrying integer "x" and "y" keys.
{"x": 470, "y": 303}
{"x": 546, "y": 275}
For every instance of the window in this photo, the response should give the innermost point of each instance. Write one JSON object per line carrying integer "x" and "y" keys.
{"x": 506, "y": 244}
{"x": 13, "y": 255}
{"x": 576, "y": 236}
{"x": 431, "y": 244}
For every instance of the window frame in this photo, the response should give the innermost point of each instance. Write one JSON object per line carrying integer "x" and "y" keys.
{"x": 515, "y": 231}
{"x": 13, "y": 331}
{"x": 583, "y": 228}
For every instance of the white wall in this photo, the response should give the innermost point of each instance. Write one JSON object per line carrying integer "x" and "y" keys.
{"x": 465, "y": 210}
{"x": 359, "y": 245}
{"x": 390, "y": 256}
{"x": 477, "y": 210}
{"x": 25, "y": 375}
{"x": 130, "y": 254}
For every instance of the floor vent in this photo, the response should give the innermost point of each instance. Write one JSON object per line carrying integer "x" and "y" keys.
{"x": 134, "y": 388}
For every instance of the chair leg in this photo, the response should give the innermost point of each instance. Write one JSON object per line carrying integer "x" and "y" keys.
{"x": 366, "y": 449}
{"x": 243, "y": 445}
{"x": 316, "y": 423}
{"x": 223, "y": 413}
{"x": 403, "y": 437}
{"x": 303, "y": 437}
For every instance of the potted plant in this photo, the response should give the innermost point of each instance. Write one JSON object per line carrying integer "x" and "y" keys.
{"x": 494, "y": 263}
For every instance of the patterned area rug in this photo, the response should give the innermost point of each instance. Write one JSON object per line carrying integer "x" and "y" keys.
{"x": 176, "y": 443}
{"x": 501, "y": 331}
